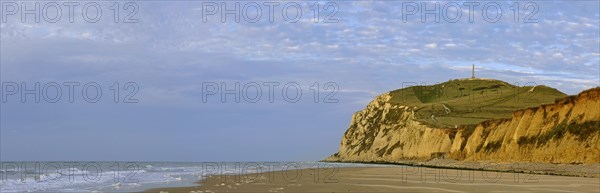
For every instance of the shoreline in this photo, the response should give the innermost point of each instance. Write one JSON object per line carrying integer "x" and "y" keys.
{"x": 385, "y": 179}
{"x": 571, "y": 170}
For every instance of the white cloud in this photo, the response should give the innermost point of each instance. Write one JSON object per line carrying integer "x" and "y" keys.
{"x": 557, "y": 55}
{"x": 431, "y": 46}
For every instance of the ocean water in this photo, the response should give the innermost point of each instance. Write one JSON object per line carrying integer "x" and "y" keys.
{"x": 131, "y": 176}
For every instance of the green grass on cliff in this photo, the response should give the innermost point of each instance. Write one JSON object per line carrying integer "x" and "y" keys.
{"x": 471, "y": 101}
{"x": 582, "y": 131}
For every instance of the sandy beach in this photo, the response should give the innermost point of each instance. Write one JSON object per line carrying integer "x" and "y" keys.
{"x": 389, "y": 179}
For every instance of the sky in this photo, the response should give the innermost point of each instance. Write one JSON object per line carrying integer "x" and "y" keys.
{"x": 166, "y": 57}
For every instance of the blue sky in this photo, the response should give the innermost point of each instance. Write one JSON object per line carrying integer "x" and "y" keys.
{"x": 170, "y": 52}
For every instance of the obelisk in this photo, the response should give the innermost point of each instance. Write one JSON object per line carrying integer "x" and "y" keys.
{"x": 473, "y": 72}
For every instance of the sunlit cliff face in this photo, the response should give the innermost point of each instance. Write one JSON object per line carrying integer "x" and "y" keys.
{"x": 567, "y": 131}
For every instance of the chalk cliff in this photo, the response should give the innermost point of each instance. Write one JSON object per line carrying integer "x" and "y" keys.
{"x": 566, "y": 131}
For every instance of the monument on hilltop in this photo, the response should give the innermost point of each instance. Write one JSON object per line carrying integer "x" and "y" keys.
{"x": 473, "y": 72}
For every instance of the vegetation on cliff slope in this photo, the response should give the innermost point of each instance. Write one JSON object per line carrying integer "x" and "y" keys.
{"x": 580, "y": 130}
{"x": 471, "y": 101}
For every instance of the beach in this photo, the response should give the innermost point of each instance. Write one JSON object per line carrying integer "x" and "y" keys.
{"x": 389, "y": 179}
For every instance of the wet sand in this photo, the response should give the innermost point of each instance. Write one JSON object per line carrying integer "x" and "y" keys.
{"x": 389, "y": 179}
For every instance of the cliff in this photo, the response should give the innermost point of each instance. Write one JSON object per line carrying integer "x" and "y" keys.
{"x": 566, "y": 131}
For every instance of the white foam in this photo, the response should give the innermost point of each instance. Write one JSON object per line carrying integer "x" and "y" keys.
{"x": 73, "y": 180}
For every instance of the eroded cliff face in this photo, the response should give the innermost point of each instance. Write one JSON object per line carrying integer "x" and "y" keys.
{"x": 567, "y": 131}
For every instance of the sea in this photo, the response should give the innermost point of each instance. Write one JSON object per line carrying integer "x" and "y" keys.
{"x": 135, "y": 176}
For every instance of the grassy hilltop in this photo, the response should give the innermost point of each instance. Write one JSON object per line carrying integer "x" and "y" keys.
{"x": 471, "y": 101}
